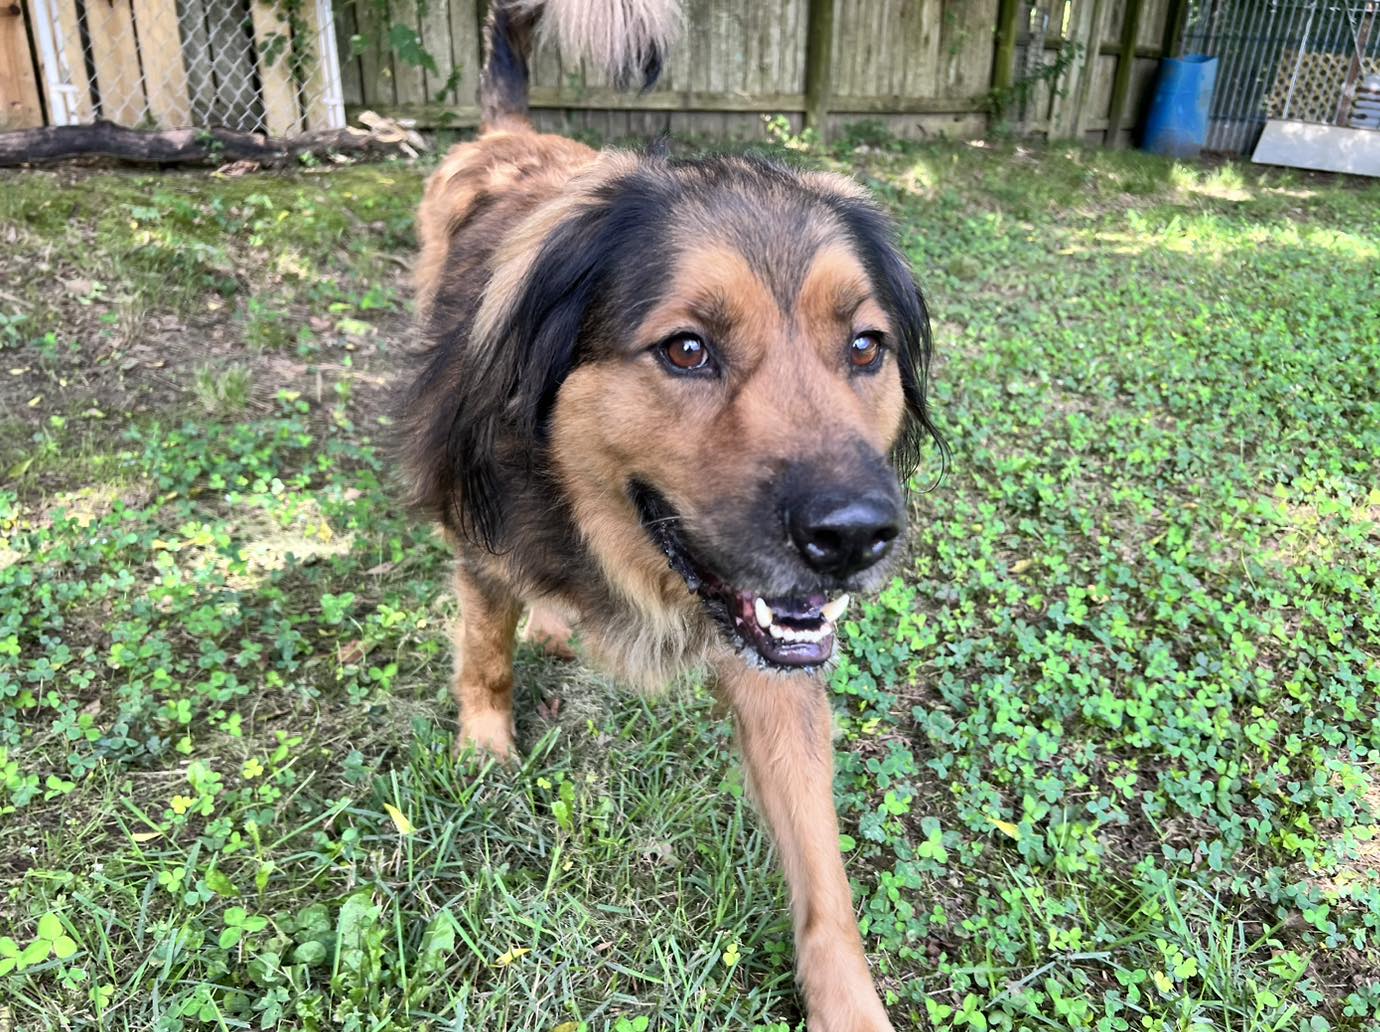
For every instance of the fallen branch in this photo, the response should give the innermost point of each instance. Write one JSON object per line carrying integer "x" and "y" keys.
{"x": 197, "y": 146}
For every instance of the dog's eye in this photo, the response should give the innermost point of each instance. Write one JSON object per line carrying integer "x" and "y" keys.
{"x": 686, "y": 353}
{"x": 866, "y": 351}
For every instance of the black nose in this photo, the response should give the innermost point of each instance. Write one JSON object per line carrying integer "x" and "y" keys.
{"x": 842, "y": 535}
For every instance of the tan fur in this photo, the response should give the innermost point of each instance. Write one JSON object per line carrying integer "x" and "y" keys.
{"x": 623, "y": 418}
{"x": 783, "y": 731}
{"x": 483, "y": 680}
{"x": 549, "y": 631}
{"x": 515, "y": 255}
{"x": 613, "y": 34}
{"x": 522, "y": 165}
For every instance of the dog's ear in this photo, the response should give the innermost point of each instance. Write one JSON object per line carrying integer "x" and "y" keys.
{"x": 527, "y": 336}
{"x": 875, "y": 239}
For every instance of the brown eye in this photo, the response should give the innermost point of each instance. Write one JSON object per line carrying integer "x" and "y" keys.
{"x": 865, "y": 351}
{"x": 686, "y": 353}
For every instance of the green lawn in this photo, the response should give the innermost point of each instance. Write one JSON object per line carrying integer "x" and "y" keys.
{"x": 1109, "y": 754}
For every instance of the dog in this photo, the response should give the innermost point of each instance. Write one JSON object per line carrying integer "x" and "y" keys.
{"x": 668, "y": 405}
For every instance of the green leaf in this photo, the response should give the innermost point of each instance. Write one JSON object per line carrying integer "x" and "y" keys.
{"x": 35, "y": 953}
{"x": 218, "y": 883}
{"x": 63, "y": 947}
{"x": 230, "y": 936}
{"x": 49, "y": 927}
{"x": 407, "y": 44}
{"x": 310, "y": 953}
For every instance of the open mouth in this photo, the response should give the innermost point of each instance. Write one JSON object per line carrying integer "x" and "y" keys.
{"x": 783, "y": 631}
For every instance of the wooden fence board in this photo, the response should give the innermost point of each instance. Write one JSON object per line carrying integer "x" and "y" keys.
{"x": 409, "y": 79}
{"x": 434, "y": 27}
{"x": 317, "y": 85}
{"x": 160, "y": 53}
{"x": 1153, "y": 16}
{"x": 272, "y": 53}
{"x": 464, "y": 48}
{"x": 117, "y": 62}
{"x": 201, "y": 84}
{"x": 376, "y": 60}
{"x": 351, "y": 79}
{"x": 966, "y": 47}
{"x": 20, "y": 104}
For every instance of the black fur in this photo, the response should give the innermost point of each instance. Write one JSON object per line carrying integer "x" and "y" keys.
{"x": 610, "y": 257}
{"x": 503, "y": 84}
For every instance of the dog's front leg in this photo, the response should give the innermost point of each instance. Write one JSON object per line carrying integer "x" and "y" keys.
{"x": 783, "y": 725}
{"x": 483, "y": 680}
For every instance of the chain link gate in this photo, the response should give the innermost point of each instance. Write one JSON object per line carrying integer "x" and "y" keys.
{"x": 1312, "y": 61}
{"x": 266, "y": 66}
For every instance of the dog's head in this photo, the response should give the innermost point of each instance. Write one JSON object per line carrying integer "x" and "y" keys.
{"x": 723, "y": 364}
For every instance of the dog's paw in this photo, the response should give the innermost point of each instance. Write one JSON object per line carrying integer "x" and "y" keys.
{"x": 838, "y": 989}
{"x": 853, "y": 1016}
{"x": 487, "y": 733}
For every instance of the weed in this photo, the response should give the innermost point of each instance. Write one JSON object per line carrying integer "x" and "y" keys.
{"x": 223, "y": 392}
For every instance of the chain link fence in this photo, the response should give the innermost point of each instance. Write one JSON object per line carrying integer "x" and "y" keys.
{"x": 267, "y": 66}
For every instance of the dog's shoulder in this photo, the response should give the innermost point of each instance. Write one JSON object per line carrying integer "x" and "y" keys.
{"x": 484, "y": 188}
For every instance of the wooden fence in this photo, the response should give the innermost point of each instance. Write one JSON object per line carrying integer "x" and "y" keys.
{"x": 918, "y": 67}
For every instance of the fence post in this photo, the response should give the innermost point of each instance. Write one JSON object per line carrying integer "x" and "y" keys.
{"x": 1174, "y": 18}
{"x": 1125, "y": 64}
{"x": 819, "y": 59}
{"x": 1004, "y": 65}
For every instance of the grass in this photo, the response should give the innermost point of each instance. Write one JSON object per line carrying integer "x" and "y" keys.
{"x": 1109, "y": 752}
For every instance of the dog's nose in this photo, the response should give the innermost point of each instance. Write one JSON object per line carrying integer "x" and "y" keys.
{"x": 839, "y": 535}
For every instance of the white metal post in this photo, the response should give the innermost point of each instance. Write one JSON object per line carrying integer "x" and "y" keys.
{"x": 329, "y": 56}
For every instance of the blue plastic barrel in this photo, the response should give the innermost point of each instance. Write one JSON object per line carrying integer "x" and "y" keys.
{"x": 1178, "y": 120}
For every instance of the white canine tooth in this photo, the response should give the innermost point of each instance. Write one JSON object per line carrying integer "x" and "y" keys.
{"x": 833, "y": 610}
{"x": 776, "y": 631}
{"x": 763, "y": 612}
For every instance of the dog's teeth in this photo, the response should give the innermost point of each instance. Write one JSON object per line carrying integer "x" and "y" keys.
{"x": 833, "y": 610}
{"x": 777, "y": 631}
{"x": 763, "y": 612}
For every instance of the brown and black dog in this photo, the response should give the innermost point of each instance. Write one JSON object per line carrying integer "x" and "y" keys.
{"x": 667, "y": 405}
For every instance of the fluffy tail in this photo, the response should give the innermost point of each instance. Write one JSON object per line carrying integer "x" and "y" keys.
{"x": 627, "y": 38}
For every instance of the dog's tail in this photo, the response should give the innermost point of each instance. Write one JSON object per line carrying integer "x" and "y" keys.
{"x": 627, "y": 38}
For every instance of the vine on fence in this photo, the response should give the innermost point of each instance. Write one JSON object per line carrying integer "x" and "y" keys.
{"x": 1001, "y": 100}
{"x": 402, "y": 39}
